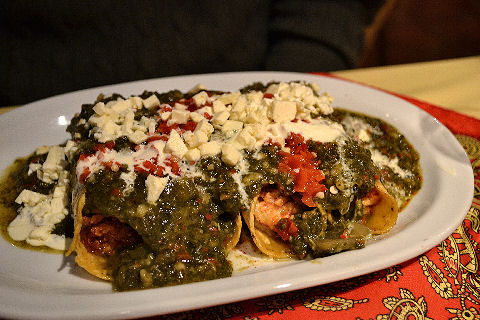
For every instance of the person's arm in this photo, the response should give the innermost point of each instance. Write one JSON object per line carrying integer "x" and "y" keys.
{"x": 315, "y": 35}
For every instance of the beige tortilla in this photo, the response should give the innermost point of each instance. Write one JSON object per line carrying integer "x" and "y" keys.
{"x": 98, "y": 266}
{"x": 384, "y": 213}
{"x": 236, "y": 235}
{"x": 101, "y": 266}
{"x": 268, "y": 243}
{"x": 382, "y": 217}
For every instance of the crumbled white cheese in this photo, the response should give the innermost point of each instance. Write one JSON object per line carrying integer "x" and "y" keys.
{"x": 282, "y": 111}
{"x": 231, "y": 126}
{"x": 257, "y": 112}
{"x": 364, "y": 136}
{"x": 204, "y": 126}
{"x": 117, "y": 119}
{"x": 229, "y": 98}
{"x": 70, "y": 148}
{"x": 193, "y": 154}
{"x": 175, "y": 145}
{"x": 210, "y": 148}
{"x": 136, "y": 102}
{"x": 230, "y": 154}
{"x": 42, "y": 150}
{"x": 121, "y": 106}
{"x": 37, "y": 217}
{"x": 218, "y": 106}
{"x": 29, "y": 197}
{"x": 246, "y": 138}
{"x": 200, "y": 98}
{"x": 242, "y": 121}
{"x": 137, "y": 137}
{"x": 53, "y": 166}
{"x": 207, "y": 110}
{"x": 151, "y": 102}
{"x": 155, "y": 186}
{"x": 307, "y": 98}
{"x": 63, "y": 178}
{"x": 53, "y": 162}
{"x": 129, "y": 178}
{"x": 317, "y": 130}
{"x": 179, "y": 106}
{"x": 200, "y": 135}
{"x": 159, "y": 145}
{"x": 165, "y": 115}
{"x": 238, "y": 111}
{"x": 33, "y": 167}
{"x": 196, "y": 117}
{"x": 220, "y": 118}
{"x": 199, "y": 87}
{"x": 180, "y": 116}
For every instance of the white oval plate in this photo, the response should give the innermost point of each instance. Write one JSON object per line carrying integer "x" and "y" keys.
{"x": 36, "y": 285}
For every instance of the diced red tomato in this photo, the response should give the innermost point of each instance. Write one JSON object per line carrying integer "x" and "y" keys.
{"x": 213, "y": 229}
{"x": 104, "y": 147}
{"x": 271, "y": 143}
{"x": 165, "y": 129}
{"x": 268, "y": 95}
{"x": 207, "y": 115}
{"x": 84, "y": 156}
{"x": 107, "y": 164}
{"x": 288, "y": 229}
{"x": 150, "y": 168}
{"x": 154, "y": 138}
{"x": 189, "y": 126}
{"x": 212, "y": 260}
{"x": 83, "y": 177}
{"x": 166, "y": 108}
{"x": 99, "y": 147}
{"x": 110, "y": 145}
{"x": 172, "y": 162}
{"x": 301, "y": 165}
{"x": 345, "y": 234}
{"x": 117, "y": 192}
{"x": 183, "y": 256}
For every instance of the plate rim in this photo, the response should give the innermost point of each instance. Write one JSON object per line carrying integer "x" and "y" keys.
{"x": 8, "y": 311}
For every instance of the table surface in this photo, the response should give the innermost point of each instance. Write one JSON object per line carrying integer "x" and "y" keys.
{"x": 453, "y": 84}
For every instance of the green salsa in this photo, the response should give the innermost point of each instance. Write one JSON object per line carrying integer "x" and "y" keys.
{"x": 394, "y": 145}
{"x": 184, "y": 235}
{"x": 16, "y": 179}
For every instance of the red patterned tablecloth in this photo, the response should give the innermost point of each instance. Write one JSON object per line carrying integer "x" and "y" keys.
{"x": 443, "y": 283}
